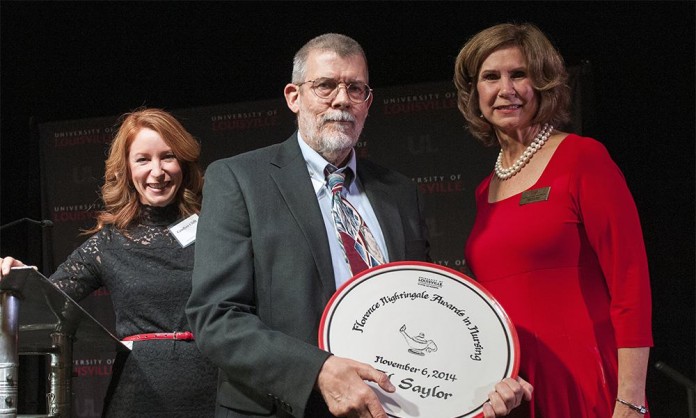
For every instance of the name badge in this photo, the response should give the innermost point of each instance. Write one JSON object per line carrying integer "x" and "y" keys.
{"x": 535, "y": 195}
{"x": 185, "y": 231}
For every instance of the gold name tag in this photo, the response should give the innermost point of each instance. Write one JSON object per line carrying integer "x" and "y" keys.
{"x": 535, "y": 195}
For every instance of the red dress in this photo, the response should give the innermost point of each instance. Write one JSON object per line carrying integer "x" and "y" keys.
{"x": 571, "y": 272}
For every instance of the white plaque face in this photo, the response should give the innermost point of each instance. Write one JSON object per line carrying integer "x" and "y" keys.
{"x": 441, "y": 338}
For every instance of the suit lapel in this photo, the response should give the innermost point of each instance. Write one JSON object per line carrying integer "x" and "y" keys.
{"x": 289, "y": 171}
{"x": 385, "y": 209}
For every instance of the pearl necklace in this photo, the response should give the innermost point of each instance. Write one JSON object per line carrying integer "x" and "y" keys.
{"x": 537, "y": 143}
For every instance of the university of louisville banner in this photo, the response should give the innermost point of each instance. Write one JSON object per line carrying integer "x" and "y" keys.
{"x": 414, "y": 129}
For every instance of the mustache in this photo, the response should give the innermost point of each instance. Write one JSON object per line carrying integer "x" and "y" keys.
{"x": 338, "y": 116}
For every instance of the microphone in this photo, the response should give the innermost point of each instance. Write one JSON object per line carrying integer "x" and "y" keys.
{"x": 44, "y": 223}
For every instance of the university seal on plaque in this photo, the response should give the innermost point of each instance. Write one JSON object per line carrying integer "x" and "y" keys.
{"x": 442, "y": 339}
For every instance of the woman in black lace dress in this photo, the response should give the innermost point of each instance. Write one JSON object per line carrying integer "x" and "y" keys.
{"x": 141, "y": 250}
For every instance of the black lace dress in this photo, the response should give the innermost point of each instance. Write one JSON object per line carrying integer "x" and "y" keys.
{"x": 148, "y": 275}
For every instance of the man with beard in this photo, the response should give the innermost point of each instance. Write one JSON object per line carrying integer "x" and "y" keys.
{"x": 268, "y": 258}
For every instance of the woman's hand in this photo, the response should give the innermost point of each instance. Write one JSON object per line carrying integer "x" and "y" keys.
{"x": 508, "y": 395}
{"x": 7, "y": 263}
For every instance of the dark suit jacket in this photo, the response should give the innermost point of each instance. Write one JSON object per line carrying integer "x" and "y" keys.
{"x": 263, "y": 273}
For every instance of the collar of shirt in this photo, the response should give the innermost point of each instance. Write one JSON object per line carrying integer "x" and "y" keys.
{"x": 316, "y": 165}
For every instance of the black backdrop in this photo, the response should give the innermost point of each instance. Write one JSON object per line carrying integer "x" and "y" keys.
{"x": 65, "y": 60}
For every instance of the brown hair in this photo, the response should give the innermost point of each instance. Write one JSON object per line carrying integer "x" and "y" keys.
{"x": 121, "y": 200}
{"x": 544, "y": 65}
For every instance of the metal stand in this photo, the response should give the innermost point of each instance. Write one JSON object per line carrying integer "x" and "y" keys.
{"x": 9, "y": 307}
{"x": 38, "y": 318}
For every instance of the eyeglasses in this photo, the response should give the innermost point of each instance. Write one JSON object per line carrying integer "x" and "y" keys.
{"x": 327, "y": 88}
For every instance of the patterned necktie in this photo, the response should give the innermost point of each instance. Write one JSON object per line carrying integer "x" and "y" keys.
{"x": 358, "y": 243}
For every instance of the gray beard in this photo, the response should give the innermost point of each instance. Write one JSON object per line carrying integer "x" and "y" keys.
{"x": 329, "y": 143}
{"x": 333, "y": 143}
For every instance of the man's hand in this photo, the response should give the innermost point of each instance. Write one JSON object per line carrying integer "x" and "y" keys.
{"x": 508, "y": 394}
{"x": 341, "y": 382}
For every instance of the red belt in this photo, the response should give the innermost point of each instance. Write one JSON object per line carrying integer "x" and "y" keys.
{"x": 186, "y": 335}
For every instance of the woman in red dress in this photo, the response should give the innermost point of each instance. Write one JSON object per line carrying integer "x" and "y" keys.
{"x": 557, "y": 238}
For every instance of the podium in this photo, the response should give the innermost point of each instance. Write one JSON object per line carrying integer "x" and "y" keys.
{"x": 38, "y": 318}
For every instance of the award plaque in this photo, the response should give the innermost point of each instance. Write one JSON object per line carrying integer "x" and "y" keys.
{"x": 442, "y": 339}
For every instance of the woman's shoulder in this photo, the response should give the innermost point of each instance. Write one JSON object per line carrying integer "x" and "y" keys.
{"x": 93, "y": 245}
{"x": 481, "y": 191}
{"x": 101, "y": 237}
{"x": 576, "y": 152}
{"x": 584, "y": 144}
{"x": 588, "y": 158}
